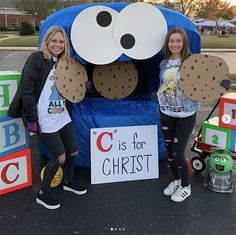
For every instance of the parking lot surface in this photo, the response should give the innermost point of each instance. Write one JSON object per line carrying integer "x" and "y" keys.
{"x": 137, "y": 207}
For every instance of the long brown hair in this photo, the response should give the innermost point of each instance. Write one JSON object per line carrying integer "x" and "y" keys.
{"x": 185, "y": 52}
{"x": 49, "y": 34}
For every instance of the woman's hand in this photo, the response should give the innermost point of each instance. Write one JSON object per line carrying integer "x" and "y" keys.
{"x": 34, "y": 127}
{"x": 226, "y": 84}
{"x": 154, "y": 95}
{"x": 88, "y": 85}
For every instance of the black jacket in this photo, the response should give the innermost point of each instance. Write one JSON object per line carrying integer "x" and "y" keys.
{"x": 33, "y": 78}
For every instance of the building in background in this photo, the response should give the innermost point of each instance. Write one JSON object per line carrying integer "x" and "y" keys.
{"x": 11, "y": 18}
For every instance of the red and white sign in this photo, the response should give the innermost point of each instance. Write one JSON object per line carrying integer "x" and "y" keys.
{"x": 15, "y": 171}
{"x": 124, "y": 153}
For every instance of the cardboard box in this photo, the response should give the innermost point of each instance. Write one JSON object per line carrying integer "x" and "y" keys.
{"x": 215, "y": 135}
{"x": 13, "y": 135}
{"x": 15, "y": 171}
{"x": 9, "y": 82}
{"x": 227, "y": 113}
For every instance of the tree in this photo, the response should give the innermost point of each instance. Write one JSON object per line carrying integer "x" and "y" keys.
{"x": 43, "y": 8}
{"x": 40, "y": 8}
{"x": 26, "y": 29}
{"x": 216, "y": 10}
{"x": 59, "y": 4}
{"x": 187, "y": 7}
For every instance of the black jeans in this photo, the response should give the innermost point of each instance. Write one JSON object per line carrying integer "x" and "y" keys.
{"x": 176, "y": 132}
{"x": 58, "y": 143}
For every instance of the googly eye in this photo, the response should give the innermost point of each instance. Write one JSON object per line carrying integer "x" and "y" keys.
{"x": 223, "y": 159}
{"x": 217, "y": 159}
{"x": 92, "y": 35}
{"x": 140, "y": 30}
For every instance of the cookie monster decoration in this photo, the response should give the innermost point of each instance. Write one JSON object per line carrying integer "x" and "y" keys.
{"x": 118, "y": 48}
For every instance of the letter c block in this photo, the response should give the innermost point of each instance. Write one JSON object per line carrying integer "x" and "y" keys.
{"x": 15, "y": 171}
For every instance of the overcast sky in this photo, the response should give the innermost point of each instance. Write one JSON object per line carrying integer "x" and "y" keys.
{"x": 232, "y": 2}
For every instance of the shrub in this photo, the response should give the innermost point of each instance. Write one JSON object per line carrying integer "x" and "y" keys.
{"x": 26, "y": 29}
{"x": 4, "y": 29}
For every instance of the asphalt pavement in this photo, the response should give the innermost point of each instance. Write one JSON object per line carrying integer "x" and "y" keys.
{"x": 131, "y": 208}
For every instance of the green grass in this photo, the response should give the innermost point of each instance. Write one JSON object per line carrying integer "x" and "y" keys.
{"x": 3, "y": 36}
{"x": 219, "y": 42}
{"x": 9, "y": 32}
{"x": 22, "y": 41}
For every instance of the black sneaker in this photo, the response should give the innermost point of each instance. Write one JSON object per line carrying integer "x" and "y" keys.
{"x": 75, "y": 188}
{"x": 47, "y": 201}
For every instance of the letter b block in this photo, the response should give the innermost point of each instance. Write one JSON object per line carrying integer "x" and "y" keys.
{"x": 9, "y": 81}
{"x": 227, "y": 112}
{"x": 15, "y": 171}
{"x": 13, "y": 135}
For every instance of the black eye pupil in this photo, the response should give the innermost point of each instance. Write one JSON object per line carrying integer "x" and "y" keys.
{"x": 104, "y": 18}
{"x": 127, "y": 41}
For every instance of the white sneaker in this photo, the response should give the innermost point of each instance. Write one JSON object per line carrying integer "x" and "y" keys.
{"x": 181, "y": 194}
{"x": 172, "y": 187}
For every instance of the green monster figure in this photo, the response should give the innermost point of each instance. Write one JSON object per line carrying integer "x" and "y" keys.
{"x": 221, "y": 162}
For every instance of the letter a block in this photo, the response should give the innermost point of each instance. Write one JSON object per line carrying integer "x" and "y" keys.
{"x": 9, "y": 81}
{"x": 13, "y": 135}
{"x": 227, "y": 112}
{"x": 15, "y": 171}
{"x": 215, "y": 135}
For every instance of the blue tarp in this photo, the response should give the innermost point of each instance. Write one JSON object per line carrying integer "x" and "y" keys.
{"x": 101, "y": 112}
{"x": 138, "y": 109}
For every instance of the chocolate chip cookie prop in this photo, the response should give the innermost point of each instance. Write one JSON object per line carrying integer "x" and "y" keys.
{"x": 201, "y": 77}
{"x": 115, "y": 81}
{"x": 70, "y": 80}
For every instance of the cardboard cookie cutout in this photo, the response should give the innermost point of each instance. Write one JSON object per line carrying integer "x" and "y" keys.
{"x": 115, "y": 81}
{"x": 70, "y": 80}
{"x": 201, "y": 75}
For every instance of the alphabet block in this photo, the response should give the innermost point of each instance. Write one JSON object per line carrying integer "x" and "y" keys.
{"x": 227, "y": 112}
{"x": 15, "y": 171}
{"x": 233, "y": 141}
{"x": 14, "y": 136}
{"x": 9, "y": 81}
{"x": 215, "y": 135}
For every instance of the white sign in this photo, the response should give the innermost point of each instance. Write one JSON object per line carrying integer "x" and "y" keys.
{"x": 124, "y": 154}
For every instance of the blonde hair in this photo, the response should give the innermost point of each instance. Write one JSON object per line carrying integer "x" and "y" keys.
{"x": 185, "y": 52}
{"x": 47, "y": 37}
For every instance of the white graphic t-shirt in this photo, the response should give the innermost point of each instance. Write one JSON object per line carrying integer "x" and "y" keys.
{"x": 170, "y": 97}
{"x": 52, "y": 111}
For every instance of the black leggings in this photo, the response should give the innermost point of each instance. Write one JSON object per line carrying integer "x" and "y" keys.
{"x": 176, "y": 132}
{"x": 59, "y": 143}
